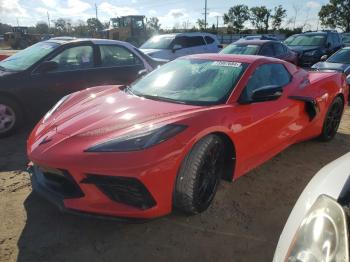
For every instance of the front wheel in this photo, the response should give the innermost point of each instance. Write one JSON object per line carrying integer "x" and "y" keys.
{"x": 332, "y": 120}
{"x": 10, "y": 116}
{"x": 199, "y": 175}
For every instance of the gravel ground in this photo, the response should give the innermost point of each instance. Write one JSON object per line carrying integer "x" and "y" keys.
{"x": 243, "y": 224}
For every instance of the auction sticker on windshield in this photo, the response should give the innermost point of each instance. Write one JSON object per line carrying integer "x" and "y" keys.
{"x": 226, "y": 63}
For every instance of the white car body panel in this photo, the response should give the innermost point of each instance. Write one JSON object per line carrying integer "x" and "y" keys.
{"x": 168, "y": 54}
{"x": 330, "y": 180}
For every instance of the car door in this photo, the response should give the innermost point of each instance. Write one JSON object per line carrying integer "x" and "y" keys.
{"x": 116, "y": 65}
{"x": 269, "y": 126}
{"x": 279, "y": 51}
{"x": 75, "y": 65}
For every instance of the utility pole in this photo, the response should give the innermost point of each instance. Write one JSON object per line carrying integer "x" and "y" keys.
{"x": 205, "y": 14}
{"x": 48, "y": 19}
{"x": 96, "y": 11}
{"x": 17, "y": 21}
{"x": 217, "y": 23}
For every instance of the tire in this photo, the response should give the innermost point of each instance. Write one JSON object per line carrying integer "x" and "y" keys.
{"x": 199, "y": 176}
{"x": 11, "y": 116}
{"x": 332, "y": 120}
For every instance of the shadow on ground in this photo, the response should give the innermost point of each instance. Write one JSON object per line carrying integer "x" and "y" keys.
{"x": 243, "y": 224}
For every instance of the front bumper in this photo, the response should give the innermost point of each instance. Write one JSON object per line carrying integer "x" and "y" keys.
{"x": 41, "y": 188}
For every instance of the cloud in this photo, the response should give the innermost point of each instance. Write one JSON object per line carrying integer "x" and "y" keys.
{"x": 152, "y": 12}
{"x": 12, "y": 8}
{"x": 49, "y": 3}
{"x": 176, "y": 13}
{"x": 313, "y": 5}
{"x": 108, "y": 10}
{"x": 214, "y": 14}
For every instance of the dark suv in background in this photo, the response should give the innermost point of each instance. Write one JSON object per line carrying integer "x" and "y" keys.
{"x": 311, "y": 46}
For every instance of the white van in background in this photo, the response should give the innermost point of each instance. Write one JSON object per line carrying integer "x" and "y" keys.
{"x": 171, "y": 46}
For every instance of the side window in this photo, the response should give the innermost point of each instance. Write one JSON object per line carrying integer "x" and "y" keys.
{"x": 114, "y": 55}
{"x": 181, "y": 40}
{"x": 267, "y": 50}
{"x": 195, "y": 41}
{"x": 209, "y": 40}
{"x": 279, "y": 50}
{"x": 266, "y": 75}
{"x": 74, "y": 58}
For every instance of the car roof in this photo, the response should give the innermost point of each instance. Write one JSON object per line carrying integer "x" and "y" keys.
{"x": 248, "y": 59}
{"x": 65, "y": 40}
{"x": 316, "y": 33}
{"x": 255, "y": 42}
{"x": 189, "y": 34}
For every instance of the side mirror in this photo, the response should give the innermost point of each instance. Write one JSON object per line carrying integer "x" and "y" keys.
{"x": 265, "y": 93}
{"x": 220, "y": 46}
{"x": 176, "y": 47}
{"x": 323, "y": 58}
{"x": 328, "y": 45}
{"x": 142, "y": 73}
{"x": 47, "y": 66}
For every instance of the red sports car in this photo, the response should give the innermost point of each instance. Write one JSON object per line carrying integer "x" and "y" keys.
{"x": 166, "y": 140}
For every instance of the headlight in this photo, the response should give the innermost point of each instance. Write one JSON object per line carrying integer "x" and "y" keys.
{"x": 55, "y": 107}
{"x": 322, "y": 235}
{"x": 139, "y": 140}
{"x": 311, "y": 53}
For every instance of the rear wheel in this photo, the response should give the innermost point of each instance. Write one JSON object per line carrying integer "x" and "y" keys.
{"x": 332, "y": 120}
{"x": 199, "y": 175}
{"x": 10, "y": 116}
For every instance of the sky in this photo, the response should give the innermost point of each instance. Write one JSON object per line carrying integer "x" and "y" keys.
{"x": 170, "y": 12}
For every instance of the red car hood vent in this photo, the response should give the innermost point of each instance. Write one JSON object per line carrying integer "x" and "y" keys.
{"x": 90, "y": 114}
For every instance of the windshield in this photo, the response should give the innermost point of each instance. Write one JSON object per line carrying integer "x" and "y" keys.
{"x": 158, "y": 42}
{"x": 307, "y": 40}
{"x": 240, "y": 49}
{"x": 198, "y": 82}
{"x": 27, "y": 57}
{"x": 342, "y": 57}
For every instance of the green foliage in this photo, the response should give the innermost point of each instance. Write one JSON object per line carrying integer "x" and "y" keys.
{"x": 260, "y": 17}
{"x": 336, "y": 14}
{"x": 279, "y": 14}
{"x": 236, "y": 17}
{"x": 94, "y": 26}
{"x": 152, "y": 24}
{"x": 42, "y": 28}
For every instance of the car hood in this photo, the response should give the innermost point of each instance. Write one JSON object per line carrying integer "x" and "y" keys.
{"x": 303, "y": 49}
{"x": 108, "y": 111}
{"x": 331, "y": 66}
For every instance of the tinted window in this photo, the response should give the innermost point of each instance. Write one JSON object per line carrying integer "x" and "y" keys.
{"x": 191, "y": 81}
{"x": 209, "y": 40}
{"x": 195, "y": 41}
{"x": 278, "y": 48}
{"x": 158, "y": 42}
{"x": 267, "y": 50}
{"x": 182, "y": 41}
{"x": 75, "y": 58}
{"x": 113, "y": 55}
{"x": 266, "y": 75}
{"x": 240, "y": 49}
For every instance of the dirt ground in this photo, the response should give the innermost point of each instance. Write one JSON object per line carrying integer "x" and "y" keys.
{"x": 243, "y": 224}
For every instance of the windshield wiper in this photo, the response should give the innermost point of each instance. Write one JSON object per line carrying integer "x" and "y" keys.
{"x": 160, "y": 98}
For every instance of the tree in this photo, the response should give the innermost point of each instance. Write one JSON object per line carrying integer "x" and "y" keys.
{"x": 152, "y": 24}
{"x": 42, "y": 28}
{"x": 201, "y": 24}
{"x": 94, "y": 26}
{"x": 259, "y": 17}
{"x": 61, "y": 26}
{"x": 236, "y": 17}
{"x": 279, "y": 14}
{"x": 336, "y": 14}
